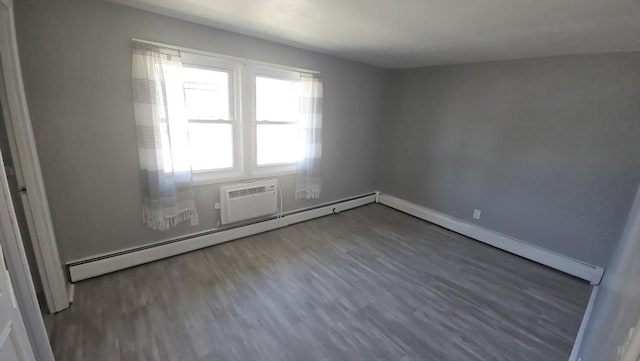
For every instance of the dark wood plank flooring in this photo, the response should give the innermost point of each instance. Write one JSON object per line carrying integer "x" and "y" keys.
{"x": 367, "y": 284}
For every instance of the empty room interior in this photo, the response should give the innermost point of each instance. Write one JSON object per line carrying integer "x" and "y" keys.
{"x": 320, "y": 180}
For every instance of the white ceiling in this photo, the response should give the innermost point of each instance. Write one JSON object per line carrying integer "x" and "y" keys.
{"x": 413, "y": 33}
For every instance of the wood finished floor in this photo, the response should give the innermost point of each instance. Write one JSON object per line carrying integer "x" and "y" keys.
{"x": 367, "y": 284}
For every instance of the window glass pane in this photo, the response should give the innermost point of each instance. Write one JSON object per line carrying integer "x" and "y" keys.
{"x": 211, "y": 146}
{"x": 277, "y": 99}
{"x": 206, "y": 93}
{"x": 278, "y": 143}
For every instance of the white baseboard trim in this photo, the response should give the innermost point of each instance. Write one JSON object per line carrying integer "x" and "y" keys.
{"x": 549, "y": 258}
{"x": 107, "y": 263}
{"x": 577, "y": 344}
{"x": 71, "y": 291}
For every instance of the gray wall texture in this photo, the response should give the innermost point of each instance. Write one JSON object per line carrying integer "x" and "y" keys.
{"x": 76, "y": 60}
{"x": 617, "y": 306}
{"x": 547, "y": 148}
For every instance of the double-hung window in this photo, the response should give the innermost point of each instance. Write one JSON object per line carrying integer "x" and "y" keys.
{"x": 211, "y": 103}
{"x": 243, "y": 118}
{"x": 204, "y": 118}
{"x": 278, "y": 145}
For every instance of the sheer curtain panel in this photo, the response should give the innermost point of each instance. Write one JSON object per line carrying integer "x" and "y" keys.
{"x": 163, "y": 137}
{"x": 308, "y": 180}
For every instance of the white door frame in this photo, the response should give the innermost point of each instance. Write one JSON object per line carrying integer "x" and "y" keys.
{"x": 16, "y": 261}
{"x": 25, "y": 156}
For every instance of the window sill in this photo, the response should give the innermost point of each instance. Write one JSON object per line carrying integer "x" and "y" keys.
{"x": 205, "y": 179}
{"x": 273, "y": 170}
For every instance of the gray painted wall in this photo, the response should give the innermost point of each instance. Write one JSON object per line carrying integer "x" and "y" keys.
{"x": 547, "y": 148}
{"x": 617, "y": 306}
{"x": 76, "y": 59}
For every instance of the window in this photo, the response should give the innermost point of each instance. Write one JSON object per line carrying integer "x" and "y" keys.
{"x": 207, "y": 101}
{"x": 277, "y": 118}
{"x": 243, "y": 119}
{"x": 206, "y": 96}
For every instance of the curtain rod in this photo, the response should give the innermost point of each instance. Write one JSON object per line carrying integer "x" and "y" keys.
{"x": 227, "y": 57}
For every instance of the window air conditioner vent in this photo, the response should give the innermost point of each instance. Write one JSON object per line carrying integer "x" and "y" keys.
{"x": 247, "y": 191}
{"x": 244, "y": 201}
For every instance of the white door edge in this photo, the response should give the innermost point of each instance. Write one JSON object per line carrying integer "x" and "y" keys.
{"x": 20, "y": 316}
{"x": 51, "y": 269}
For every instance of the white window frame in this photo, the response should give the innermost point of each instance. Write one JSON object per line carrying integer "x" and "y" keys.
{"x": 275, "y": 72}
{"x": 242, "y": 86}
{"x": 233, "y": 68}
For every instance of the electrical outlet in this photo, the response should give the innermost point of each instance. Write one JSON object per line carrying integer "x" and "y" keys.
{"x": 477, "y": 213}
{"x": 216, "y": 205}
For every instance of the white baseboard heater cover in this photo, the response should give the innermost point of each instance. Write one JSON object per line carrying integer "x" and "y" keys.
{"x": 243, "y": 201}
{"x": 109, "y": 262}
{"x": 518, "y": 247}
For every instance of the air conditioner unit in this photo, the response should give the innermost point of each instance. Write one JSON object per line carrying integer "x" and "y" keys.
{"x": 239, "y": 202}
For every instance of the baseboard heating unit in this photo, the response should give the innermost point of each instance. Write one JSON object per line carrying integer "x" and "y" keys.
{"x": 549, "y": 258}
{"x": 114, "y": 261}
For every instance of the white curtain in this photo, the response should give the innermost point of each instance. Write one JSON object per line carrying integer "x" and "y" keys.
{"x": 308, "y": 180}
{"x": 630, "y": 350}
{"x": 163, "y": 138}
